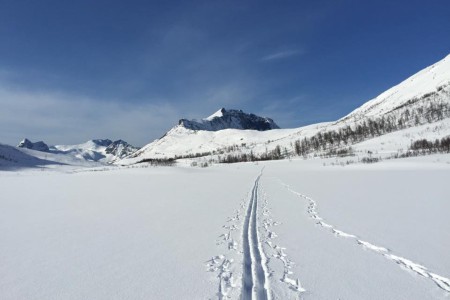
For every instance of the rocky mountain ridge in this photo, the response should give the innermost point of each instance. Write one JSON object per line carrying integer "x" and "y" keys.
{"x": 230, "y": 119}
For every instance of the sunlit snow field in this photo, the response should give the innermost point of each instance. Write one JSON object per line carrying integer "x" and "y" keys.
{"x": 376, "y": 231}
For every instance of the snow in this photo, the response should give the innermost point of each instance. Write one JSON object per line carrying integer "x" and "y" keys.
{"x": 90, "y": 150}
{"x": 89, "y": 154}
{"x": 13, "y": 158}
{"x": 180, "y": 141}
{"x": 421, "y": 83}
{"x": 403, "y": 217}
{"x": 398, "y": 142}
{"x": 103, "y": 151}
{"x": 317, "y": 228}
{"x": 217, "y": 114}
{"x": 321, "y": 232}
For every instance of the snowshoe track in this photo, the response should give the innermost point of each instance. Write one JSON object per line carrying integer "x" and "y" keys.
{"x": 440, "y": 281}
{"x": 278, "y": 252}
{"x": 223, "y": 265}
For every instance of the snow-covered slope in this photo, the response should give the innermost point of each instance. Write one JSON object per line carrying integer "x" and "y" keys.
{"x": 428, "y": 81}
{"x": 180, "y": 141}
{"x": 14, "y": 158}
{"x": 422, "y": 99}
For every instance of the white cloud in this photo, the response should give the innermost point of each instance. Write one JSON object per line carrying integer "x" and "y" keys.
{"x": 57, "y": 118}
{"x": 281, "y": 55}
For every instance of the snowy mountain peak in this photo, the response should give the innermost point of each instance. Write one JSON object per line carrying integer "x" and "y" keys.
{"x": 218, "y": 114}
{"x": 120, "y": 149}
{"x": 38, "y": 146}
{"x": 230, "y": 119}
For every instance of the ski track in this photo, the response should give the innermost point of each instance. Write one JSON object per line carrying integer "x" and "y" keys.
{"x": 255, "y": 284}
{"x": 440, "y": 281}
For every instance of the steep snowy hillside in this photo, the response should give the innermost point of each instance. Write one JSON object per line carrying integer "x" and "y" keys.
{"x": 226, "y": 119}
{"x": 433, "y": 81}
{"x": 14, "y": 158}
{"x": 420, "y": 101}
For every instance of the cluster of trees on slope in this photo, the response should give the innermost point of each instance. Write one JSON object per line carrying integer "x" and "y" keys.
{"x": 424, "y": 145}
{"x": 398, "y": 119}
{"x": 274, "y": 154}
{"x": 158, "y": 161}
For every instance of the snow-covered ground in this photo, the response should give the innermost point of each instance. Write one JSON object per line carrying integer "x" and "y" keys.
{"x": 290, "y": 229}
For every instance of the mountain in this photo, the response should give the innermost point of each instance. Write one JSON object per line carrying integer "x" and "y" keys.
{"x": 38, "y": 155}
{"x": 38, "y": 146}
{"x": 97, "y": 150}
{"x": 101, "y": 150}
{"x": 120, "y": 149}
{"x": 226, "y": 119}
{"x": 198, "y": 135}
{"x": 417, "y": 108}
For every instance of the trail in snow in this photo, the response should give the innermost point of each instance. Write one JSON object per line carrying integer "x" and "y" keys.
{"x": 223, "y": 265}
{"x": 278, "y": 252}
{"x": 440, "y": 281}
{"x": 255, "y": 284}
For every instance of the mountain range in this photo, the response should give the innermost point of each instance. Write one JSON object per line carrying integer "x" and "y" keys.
{"x": 96, "y": 150}
{"x": 385, "y": 127}
{"x": 415, "y": 108}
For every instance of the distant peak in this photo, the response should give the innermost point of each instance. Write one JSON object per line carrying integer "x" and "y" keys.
{"x": 24, "y": 141}
{"x": 102, "y": 142}
{"x": 230, "y": 119}
{"x": 217, "y": 114}
{"x": 38, "y": 146}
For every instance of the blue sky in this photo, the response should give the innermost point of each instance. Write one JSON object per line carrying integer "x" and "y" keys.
{"x": 75, "y": 70}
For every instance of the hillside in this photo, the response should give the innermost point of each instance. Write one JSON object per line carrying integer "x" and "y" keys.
{"x": 417, "y": 108}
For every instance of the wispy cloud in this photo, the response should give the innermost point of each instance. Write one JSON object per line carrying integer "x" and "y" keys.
{"x": 282, "y": 55}
{"x": 60, "y": 118}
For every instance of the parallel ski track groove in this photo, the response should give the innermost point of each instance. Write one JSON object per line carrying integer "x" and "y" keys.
{"x": 255, "y": 274}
